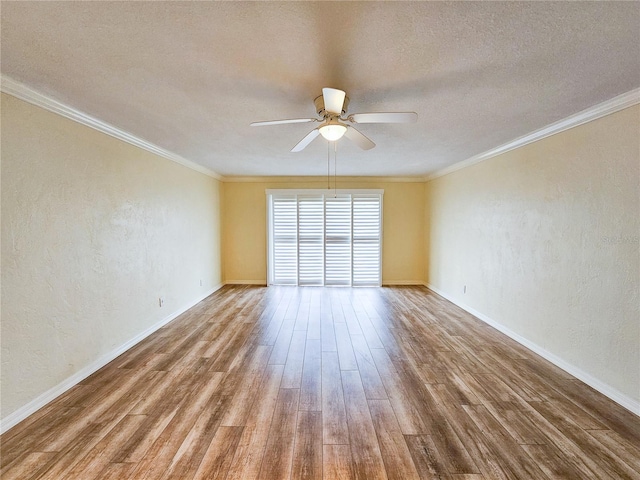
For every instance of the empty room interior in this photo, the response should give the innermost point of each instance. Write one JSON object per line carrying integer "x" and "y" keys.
{"x": 320, "y": 240}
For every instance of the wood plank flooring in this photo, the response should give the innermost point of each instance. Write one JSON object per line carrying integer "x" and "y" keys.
{"x": 326, "y": 383}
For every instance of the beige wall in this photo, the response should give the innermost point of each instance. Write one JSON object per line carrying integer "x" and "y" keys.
{"x": 94, "y": 230}
{"x": 245, "y": 227}
{"x": 545, "y": 238}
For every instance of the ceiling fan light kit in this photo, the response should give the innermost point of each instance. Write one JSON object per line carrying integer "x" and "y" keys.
{"x": 331, "y": 106}
{"x": 333, "y": 131}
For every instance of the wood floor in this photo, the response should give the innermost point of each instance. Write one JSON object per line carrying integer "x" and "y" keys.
{"x": 312, "y": 383}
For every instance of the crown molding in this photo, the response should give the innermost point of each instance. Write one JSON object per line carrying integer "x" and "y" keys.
{"x": 19, "y": 90}
{"x": 603, "y": 109}
{"x": 319, "y": 179}
{"x": 29, "y": 95}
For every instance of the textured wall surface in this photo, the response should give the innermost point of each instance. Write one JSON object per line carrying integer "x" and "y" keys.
{"x": 545, "y": 238}
{"x": 94, "y": 231}
{"x": 245, "y": 227}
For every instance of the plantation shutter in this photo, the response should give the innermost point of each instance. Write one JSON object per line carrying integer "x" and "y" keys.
{"x": 310, "y": 240}
{"x": 320, "y": 238}
{"x": 285, "y": 240}
{"x": 337, "y": 240}
{"x": 367, "y": 225}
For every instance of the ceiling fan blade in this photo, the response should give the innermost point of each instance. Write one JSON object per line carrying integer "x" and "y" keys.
{"x": 279, "y": 122}
{"x": 358, "y": 138}
{"x": 388, "y": 117}
{"x": 333, "y": 100}
{"x": 306, "y": 140}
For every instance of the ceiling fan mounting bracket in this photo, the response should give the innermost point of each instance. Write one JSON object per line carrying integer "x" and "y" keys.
{"x": 319, "y": 103}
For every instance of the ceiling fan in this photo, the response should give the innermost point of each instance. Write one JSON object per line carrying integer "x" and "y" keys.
{"x": 331, "y": 106}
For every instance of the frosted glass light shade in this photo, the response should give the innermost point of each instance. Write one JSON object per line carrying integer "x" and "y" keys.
{"x": 333, "y": 132}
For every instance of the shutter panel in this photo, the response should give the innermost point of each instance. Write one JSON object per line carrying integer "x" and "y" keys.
{"x": 310, "y": 240}
{"x": 366, "y": 240}
{"x": 337, "y": 240}
{"x": 285, "y": 240}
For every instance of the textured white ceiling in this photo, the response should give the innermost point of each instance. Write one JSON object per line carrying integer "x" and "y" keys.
{"x": 191, "y": 76}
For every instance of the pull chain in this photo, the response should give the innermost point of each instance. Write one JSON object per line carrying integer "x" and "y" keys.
{"x": 335, "y": 169}
{"x": 328, "y": 166}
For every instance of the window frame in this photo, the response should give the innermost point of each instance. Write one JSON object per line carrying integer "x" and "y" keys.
{"x": 325, "y": 193}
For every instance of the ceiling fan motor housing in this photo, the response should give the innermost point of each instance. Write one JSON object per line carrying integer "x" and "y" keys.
{"x": 319, "y": 103}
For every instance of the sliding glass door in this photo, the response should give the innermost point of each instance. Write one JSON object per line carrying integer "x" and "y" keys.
{"x": 318, "y": 237}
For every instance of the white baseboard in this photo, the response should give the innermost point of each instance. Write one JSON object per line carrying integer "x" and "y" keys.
{"x": 37, "y": 403}
{"x": 607, "y": 390}
{"x": 263, "y": 282}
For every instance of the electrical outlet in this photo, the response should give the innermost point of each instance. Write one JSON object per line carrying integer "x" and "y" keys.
{"x": 161, "y": 301}
{"x": 464, "y": 290}
{"x": 200, "y": 282}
